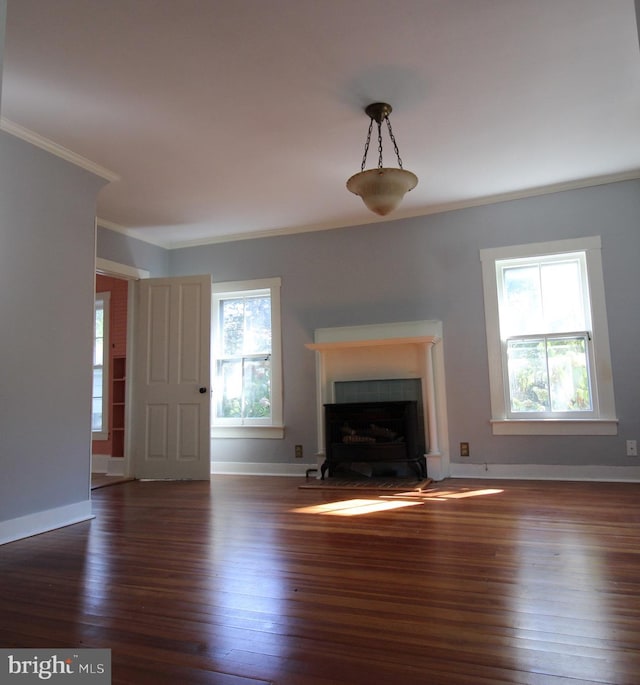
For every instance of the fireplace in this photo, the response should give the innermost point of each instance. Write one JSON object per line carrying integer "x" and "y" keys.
{"x": 373, "y": 439}
{"x": 406, "y": 352}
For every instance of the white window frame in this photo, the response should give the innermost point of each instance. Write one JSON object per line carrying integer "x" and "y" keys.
{"x": 105, "y": 298}
{"x": 602, "y": 420}
{"x": 273, "y": 426}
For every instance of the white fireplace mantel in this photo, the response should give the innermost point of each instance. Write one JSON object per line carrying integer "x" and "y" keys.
{"x": 411, "y": 349}
{"x": 377, "y": 334}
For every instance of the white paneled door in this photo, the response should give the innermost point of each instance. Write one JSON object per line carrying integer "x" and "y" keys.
{"x": 171, "y": 412}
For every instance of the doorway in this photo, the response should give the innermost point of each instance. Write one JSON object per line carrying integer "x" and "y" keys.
{"x": 111, "y": 457}
{"x": 110, "y": 377}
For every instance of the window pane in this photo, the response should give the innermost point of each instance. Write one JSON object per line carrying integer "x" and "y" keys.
{"x": 99, "y": 319}
{"x": 257, "y": 388}
{"x": 242, "y": 355}
{"x": 257, "y": 335}
{"x": 96, "y": 414}
{"x": 99, "y": 416}
{"x": 569, "y": 379}
{"x": 97, "y": 382}
{"x": 245, "y": 390}
{"x": 527, "y": 369}
{"x": 98, "y": 351}
{"x": 230, "y": 389}
{"x": 232, "y": 326}
{"x": 562, "y": 297}
{"x": 521, "y": 306}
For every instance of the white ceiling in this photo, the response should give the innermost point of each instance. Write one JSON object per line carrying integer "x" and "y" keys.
{"x": 236, "y": 118}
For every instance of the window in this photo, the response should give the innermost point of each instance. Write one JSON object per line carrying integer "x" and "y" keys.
{"x": 547, "y": 336}
{"x": 246, "y": 364}
{"x": 99, "y": 405}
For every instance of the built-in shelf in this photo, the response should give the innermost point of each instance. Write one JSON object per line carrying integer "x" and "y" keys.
{"x": 118, "y": 394}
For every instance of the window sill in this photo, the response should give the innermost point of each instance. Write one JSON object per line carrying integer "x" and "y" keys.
{"x": 554, "y": 426}
{"x": 261, "y": 432}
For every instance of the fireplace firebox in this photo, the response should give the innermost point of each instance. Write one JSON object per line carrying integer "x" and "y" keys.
{"x": 373, "y": 439}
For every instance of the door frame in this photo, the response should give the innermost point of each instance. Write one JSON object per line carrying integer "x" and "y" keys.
{"x": 127, "y": 273}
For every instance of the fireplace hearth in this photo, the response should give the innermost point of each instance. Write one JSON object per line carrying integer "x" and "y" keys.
{"x": 373, "y": 439}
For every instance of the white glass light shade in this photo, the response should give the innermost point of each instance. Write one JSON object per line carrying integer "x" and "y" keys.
{"x": 382, "y": 190}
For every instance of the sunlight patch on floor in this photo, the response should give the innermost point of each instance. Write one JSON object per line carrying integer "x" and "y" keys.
{"x": 398, "y": 500}
{"x": 355, "y": 507}
{"x": 452, "y": 494}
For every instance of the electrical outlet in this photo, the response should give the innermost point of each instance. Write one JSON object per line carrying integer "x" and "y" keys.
{"x": 632, "y": 448}
{"x": 298, "y": 451}
{"x": 464, "y": 449}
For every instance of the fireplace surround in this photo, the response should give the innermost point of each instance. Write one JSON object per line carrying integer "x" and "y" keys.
{"x": 405, "y": 350}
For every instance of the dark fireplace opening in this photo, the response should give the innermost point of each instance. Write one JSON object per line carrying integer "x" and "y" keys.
{"x": 373, "y": 439}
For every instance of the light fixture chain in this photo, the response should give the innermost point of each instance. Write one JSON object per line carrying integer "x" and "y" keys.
{"x": 393, "y": 140}
{"x": 381, "y": 189}
{"x": 366, "y": 146}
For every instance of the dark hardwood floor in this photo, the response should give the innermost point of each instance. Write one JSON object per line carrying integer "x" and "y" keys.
{"x": 247, "y": 580}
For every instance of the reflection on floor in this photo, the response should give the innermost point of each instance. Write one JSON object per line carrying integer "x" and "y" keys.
{"x": 101, "y": 480}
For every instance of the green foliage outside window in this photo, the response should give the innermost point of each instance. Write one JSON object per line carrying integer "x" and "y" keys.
{"x": 244, "y": 371}
{"x": 248, "y": 399}
{"x": 549, "y": 374}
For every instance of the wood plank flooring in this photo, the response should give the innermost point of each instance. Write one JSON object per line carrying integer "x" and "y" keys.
{"x": 251, "y": 580}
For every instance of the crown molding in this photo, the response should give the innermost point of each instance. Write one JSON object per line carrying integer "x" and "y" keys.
{"x": 58, "y": 150}
{"x": 577, "y": 184}
{"x": 131, "y": 233}
{"x": 630, "y": 175}
{"x": 112, "y": 226}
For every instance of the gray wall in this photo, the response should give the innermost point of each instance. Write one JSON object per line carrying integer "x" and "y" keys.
{"x": 429, "y": 268}
{"x": 125, "y": 250}
{"x": 47, "y": 244}
{"x": 3, "y": 22}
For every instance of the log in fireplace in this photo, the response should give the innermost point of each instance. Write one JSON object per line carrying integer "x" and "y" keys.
{"x": 373, "y": 439}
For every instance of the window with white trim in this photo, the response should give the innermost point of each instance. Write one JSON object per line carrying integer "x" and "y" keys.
{"x": 547, "y": 336}
{"x": 247, "y": 359}
{"x": 100, "y": 395}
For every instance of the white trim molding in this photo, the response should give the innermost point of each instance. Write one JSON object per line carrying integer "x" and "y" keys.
{"x": 273, "y": 427}
{"x": 237, "y": 468}
{"x": 111, "y": 466}
{"x": 44, "y": 521}
{"x": 58, "y": 150}
{"x": 100, "y": 463}
{"x": 401, "y": 214}
{"x": 598, "y": 473}
{"x": 554, "y": 427}
{"x": 248, "y": 432}
{"x": 131, "y": 232}
{"x": 108, "y": 268}
{"x": 603, "y": 421}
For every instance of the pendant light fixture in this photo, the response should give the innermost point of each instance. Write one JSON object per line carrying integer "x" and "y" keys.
{"x": 381, "y": 189}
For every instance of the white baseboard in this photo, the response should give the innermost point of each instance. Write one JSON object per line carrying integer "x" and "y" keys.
{"x": 258, "y": 469}
{"x": 115, "y": 467}
{"x": 99, "y": 463}
{"x": 601, "y": 473}
{"x": 103, "y": 463}
{"x": 44, "y": 521}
